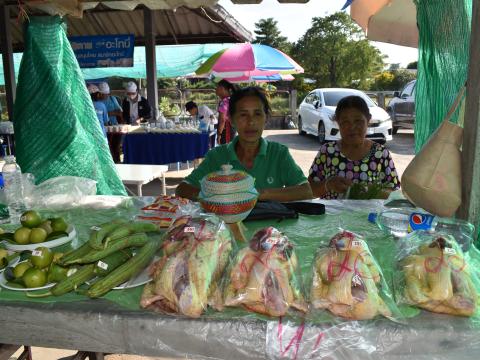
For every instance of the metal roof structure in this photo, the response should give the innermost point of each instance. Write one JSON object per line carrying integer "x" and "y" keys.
{"x": 183, "y": 25}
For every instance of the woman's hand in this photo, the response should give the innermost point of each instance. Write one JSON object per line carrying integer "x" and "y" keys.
{"x": 338, "y": 184}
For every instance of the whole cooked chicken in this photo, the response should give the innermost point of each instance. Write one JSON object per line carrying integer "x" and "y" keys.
{"x": 438, "y": 279}
{"x": 195, "y": 254}
{"x": 345, "y": 279}
{"x": 263, "y": 278}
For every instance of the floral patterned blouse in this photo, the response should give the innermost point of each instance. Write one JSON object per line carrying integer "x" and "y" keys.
{"x": 376, "y": 167}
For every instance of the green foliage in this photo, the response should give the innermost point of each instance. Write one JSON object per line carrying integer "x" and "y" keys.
{"x": 335, "y": 53}
{"x": 392, "y": 80}
{"x": 268, "y": 34}
{"x": 167, "y": 108}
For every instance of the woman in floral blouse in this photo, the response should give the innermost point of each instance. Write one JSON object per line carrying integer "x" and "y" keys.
{"x": 354, "y": 158}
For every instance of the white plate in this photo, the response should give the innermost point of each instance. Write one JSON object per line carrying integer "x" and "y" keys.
{"x": 142, "y": 279}
{"x": 3, "y": 283}
{"x": 11, "y": 263}
{"x": 72, "y": 234}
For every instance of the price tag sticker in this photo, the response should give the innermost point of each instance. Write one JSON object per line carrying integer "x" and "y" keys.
{"x": 102, "y": 265}
{"x": 272, "y": 240}
{"x": 357, "y": 243}
{"x": 450, "y": 251}
{"x": 36, "y": 253}
{"x": 357, "y": 280}
{"x": 190, "y": 229}
{"x": 95, "y": 228}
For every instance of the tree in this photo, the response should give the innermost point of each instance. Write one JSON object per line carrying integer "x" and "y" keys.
{"x": 392, "y": 80}
{"x": 334, "y": 52}
{"x": 268, "y": 34}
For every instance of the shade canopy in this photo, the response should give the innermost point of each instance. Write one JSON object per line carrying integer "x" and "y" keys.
{"x": 390, "y": 21}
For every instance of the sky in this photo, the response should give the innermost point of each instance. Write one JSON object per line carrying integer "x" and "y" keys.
{"x": 295, "y": 19}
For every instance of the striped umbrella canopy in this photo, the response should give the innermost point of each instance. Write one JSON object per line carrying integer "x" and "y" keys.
{"x": 248, "y": 60}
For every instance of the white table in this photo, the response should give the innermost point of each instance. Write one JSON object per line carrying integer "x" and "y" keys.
{"x": 140, "y": 175}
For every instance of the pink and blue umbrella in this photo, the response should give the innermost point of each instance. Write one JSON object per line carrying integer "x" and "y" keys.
{"x": 249, "y": 60}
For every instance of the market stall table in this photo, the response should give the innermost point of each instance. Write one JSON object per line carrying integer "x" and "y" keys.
{"x": 140, "y": 175}
{"x": 115, "y": 324}
{"x": 162, "y": 149}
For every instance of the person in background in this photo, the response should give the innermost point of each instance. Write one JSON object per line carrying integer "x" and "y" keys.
{"x": 354, "y": 158}
{"x": 113, "y": 107}
{"x": 206, "y": 117}
{"x": 277, "y": 176}
{"x": 225, "y": 131}
{"x": 136, "y": 108}
{"x": 100, "y": 108}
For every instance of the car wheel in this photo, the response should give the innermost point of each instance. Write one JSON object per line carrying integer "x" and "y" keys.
{"x": 300, "y": 128}
{"x": 395, "y": 130}
{"x": 321, "y": 132}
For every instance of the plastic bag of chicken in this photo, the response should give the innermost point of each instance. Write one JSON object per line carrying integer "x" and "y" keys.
{"x": 264, "y": 277}
{"x": 348, "y": 282}
{"x": 436, "y": 275}
{"x": 195, "y": 253}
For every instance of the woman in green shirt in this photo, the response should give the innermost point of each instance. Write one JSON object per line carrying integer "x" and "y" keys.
{"x": 277, "y": 176}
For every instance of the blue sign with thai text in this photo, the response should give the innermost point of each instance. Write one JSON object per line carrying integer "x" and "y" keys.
{"x": 103, "y": 51}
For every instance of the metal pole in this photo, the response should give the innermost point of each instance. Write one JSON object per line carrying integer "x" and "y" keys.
{"x": 7, "y": 55}
{"x": 151, "y": 60}
{"x": 470, "y": 208}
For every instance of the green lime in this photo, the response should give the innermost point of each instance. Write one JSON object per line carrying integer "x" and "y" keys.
{"x": 20, "y": 269}
{"x": 57, "y": 273}
{"x": 31, "y": 219}
{"x": 46, "y": 226}
{"x": 58, "y": 224}
{"x": 37, "y": 235}
{"x": 33, "y": 278}
{"x": 2, "y": 231}
{"x": 42, "y": 257}
{"x": 22, "y": 236}
{"x": 3, "y": 253}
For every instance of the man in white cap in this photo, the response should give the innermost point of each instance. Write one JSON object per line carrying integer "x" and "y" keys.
{"x": 113, "y": 107}
{"x": 136, "y": 108}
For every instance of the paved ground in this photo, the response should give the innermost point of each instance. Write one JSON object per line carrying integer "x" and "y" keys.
{"x": 303, "y": 150}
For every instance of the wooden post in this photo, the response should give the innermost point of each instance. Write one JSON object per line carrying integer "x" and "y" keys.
{"x": 470, "y": 208}
{"x": 151, "y": 60}
{"x": 7, "y": 55}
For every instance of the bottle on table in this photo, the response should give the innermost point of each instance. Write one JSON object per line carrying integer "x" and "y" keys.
{"x": 401, "y": 221}
{"x": 13, "y": 189}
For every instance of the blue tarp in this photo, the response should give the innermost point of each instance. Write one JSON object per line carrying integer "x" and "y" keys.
{"x": 172, "y": 61}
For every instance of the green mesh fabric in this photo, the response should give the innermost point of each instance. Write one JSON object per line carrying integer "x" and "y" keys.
{"x": 444, "y": 41}
{"x": 57, "y": 132}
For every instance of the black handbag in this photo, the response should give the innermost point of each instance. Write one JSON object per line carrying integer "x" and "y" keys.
{"x": 265, "y": 210}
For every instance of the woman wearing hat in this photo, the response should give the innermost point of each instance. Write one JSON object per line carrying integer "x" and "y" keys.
{"x": 136, "y": 108}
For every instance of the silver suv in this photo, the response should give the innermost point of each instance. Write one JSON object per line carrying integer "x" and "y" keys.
{"x": 402, "y": 107}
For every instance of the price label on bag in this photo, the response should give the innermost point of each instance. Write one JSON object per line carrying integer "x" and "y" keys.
{"x": 36, "y": 253}
{"x": 95, "y": 228}
{"x": 357, "y": 243}
{"x": 102, "y": 265}
{"x": 450, "y": 251}
{"x": 190, "y": 229}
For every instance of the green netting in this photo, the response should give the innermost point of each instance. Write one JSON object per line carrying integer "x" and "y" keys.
{"x": 57, "y": 132}
{"x": 444, "y": 41}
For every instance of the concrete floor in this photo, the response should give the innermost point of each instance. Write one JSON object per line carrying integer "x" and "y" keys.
{"x": 303, "y": 150}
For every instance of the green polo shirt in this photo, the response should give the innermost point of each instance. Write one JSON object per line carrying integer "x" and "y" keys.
{"x": 273, "y": 167}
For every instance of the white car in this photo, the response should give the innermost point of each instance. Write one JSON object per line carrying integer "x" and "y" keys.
{"x": 316, "y": 115}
